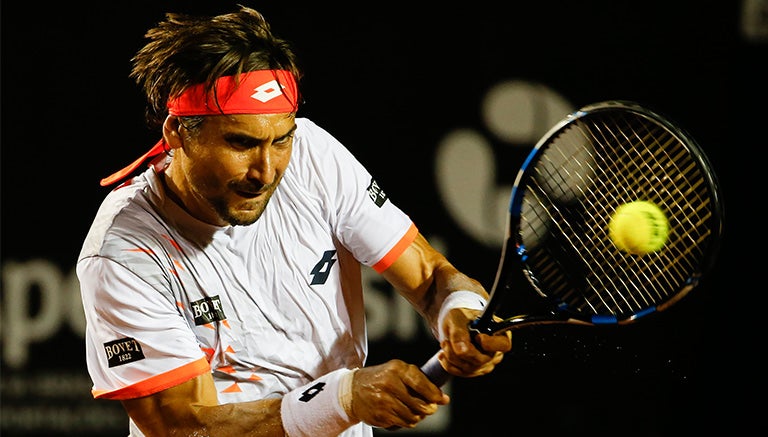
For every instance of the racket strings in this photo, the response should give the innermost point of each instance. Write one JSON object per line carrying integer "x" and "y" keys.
{"x": 632, "y": 170}
{"x": 659, "y": 149}
{"x": 596, "y": 164}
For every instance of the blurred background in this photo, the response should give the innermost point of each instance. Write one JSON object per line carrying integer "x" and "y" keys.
{"x": 442, "y": 104}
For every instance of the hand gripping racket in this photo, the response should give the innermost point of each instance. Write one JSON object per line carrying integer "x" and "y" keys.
{"x": 596, "y": 159}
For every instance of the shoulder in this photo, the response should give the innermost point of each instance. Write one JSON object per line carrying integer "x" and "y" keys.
{"x": 308, "y": 132}
{"x": 318, "y": 144}
{"x": 124, "y": 216}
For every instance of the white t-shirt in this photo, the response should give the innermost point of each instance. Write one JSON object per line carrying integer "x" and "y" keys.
{"x": 266, "y": 307}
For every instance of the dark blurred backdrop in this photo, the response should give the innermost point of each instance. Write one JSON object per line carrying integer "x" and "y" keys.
{"x": 422, "y": 94}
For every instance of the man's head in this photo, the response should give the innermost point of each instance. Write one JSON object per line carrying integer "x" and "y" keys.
{"x": 185, "y": 51}
{"x": 225, "y": 91}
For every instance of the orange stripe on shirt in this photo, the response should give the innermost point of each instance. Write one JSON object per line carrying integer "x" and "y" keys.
{"x": 141, "y": 249}
{"x": 173, "y": 242}
{"x": 398, "y": 250}
{"x": 156, "y": 383}
{"x": 234, "y": 388}
{"x": 226, "y": 369}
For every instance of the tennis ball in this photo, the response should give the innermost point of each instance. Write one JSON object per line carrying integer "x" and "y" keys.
{"x": 638, "y": 227}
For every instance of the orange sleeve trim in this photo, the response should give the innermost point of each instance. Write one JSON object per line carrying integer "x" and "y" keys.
{"x": 398, "y": 250}
{"x": 156, "y": 383}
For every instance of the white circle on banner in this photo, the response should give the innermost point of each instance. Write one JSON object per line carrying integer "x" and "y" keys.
{"x": 516, "y": 113}
{"x": 520, "y": 112}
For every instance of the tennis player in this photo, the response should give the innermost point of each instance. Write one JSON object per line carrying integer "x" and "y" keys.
{"x": 221, "y": 277}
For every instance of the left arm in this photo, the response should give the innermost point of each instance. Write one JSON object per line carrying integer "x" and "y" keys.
{"x": 424, "y": 277}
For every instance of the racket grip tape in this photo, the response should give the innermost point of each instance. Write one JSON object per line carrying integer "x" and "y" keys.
{"x": 435, "y": 371}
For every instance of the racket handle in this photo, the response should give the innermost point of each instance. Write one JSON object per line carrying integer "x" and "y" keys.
{"x": 435, "y": 371}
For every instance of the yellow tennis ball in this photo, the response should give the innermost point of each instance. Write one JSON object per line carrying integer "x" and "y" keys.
{"x": 638, "y": 227}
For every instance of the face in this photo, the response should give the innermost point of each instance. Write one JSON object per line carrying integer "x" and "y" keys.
{"x": 226, "y": 171}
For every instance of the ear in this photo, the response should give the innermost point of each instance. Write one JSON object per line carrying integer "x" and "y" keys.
{"x": 171, "y": 133}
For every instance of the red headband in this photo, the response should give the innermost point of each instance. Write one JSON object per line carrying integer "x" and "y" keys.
{"x": 254, "y": 92}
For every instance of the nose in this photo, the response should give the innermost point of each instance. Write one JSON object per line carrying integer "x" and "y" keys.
{"x": 261, "y": 165}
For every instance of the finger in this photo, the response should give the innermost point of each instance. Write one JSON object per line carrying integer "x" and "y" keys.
{"x": 471, "y": 370}
{"x": 394, "y": 415}
{"x": 405, "y": 412}
{"x": 405, "y": 399}
{"x": 456, "y": 331}
{"x": 489, "y": 352}
{"x": 424, "y": 395}
{"x": 495, "y": 343}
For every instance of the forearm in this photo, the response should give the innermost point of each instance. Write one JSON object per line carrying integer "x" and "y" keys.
{"x": 448, "y": 279}
{"x": 192, "y": 408}
{"x": 317, "y": 409}
{"x": 159, "y": 416}
{"x": 425, "y": 278}
{"x": 248, "y": 419}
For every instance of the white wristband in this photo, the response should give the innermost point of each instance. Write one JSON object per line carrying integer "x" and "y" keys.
{"x": 458, "y": 299}
{"x": 320, "y": 408}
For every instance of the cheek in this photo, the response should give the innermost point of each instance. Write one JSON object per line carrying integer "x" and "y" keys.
{"x": 282, "y": 158}
{"x": 211, "y": 173}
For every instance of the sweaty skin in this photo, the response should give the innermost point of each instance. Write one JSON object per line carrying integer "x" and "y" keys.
{"x": 227, "y": 172}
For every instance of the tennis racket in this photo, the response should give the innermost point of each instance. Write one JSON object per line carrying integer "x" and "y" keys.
{"x": 598, "y": 158}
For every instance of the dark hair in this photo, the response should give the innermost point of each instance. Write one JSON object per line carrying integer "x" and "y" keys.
{"x": 186, "y": 50}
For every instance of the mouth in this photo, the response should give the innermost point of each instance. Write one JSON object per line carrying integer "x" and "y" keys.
{"x": 250, "y": 194}
{"x": 249, "y": 191}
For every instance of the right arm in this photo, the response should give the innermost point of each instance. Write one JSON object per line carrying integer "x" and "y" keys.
{"x": 385, "y": 395}
{"x": 192, "y": 408}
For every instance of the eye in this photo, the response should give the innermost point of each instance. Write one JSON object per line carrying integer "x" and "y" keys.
{"x": 283, "y": 141}
{"x": 241, "y": 141}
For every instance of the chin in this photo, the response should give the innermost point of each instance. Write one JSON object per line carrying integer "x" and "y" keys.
{"x": 243, "y": 217}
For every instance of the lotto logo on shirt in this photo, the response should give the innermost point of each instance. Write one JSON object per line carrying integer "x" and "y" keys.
{"x": 376, "y": 193}
{"x": 123, "y": 351}
{"x": 208, "y": 310}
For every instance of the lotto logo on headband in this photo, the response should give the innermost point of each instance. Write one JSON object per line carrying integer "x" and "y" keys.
{"x": 268, "y": 91}
{"x": 254, "y": 92}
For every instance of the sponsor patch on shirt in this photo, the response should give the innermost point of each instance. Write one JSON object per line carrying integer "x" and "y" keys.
{"x": 376, "y": 193}
{"x": 208, "y": 310}
{"x": 123, "y": 351}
